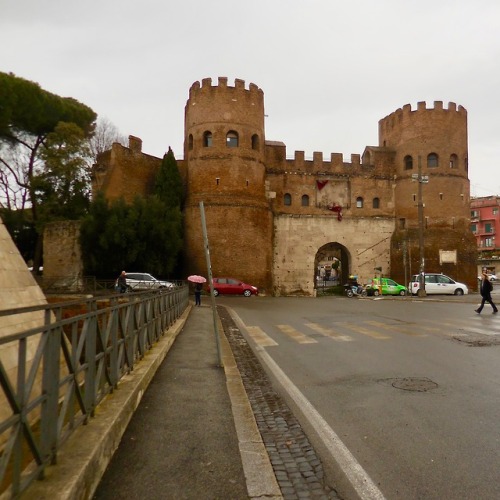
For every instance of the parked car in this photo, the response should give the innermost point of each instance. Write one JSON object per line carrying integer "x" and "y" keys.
{"x": 233, "y": 286}
{"x": 389, "y": 287}
{"x": 436, "y": 283}
{"x": 145, "y": 281}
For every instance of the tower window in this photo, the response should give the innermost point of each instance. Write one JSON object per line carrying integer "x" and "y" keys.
{"x": 359, "y": 202}
{"x": 190, "y": 142}
{"x": 453, "y": 161}
{"x": 287, "y": 199}
{"x": 255, "y": 142}
{"x": 376, "y": 202}
{"x": 207, "y": 139}
{"x": 232, "y": 139}
{"x": 305, "y": 200}
{"x": 408, "y": 161}
{"x": 432, "y": 160}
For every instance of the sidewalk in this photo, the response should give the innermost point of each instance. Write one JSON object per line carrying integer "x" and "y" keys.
{"x": 183, "y": 441}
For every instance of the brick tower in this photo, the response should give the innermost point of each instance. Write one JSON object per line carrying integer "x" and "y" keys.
{"x": 432, "y": 141}
{"x": 224, "y": 157}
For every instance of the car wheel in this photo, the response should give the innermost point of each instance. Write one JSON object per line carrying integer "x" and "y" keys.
{"x": 459, "y": 291}
{"x": 216, "y": 292}
{"x": 376, "y": 293}
{"x": 247, "y": 293}
{"x": 402, "y": 293}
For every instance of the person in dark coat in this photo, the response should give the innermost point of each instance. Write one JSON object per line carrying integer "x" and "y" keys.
{"x": 197, "y": 294}
{"x": 121, "y": 282}
{"x": 485, "y": 288}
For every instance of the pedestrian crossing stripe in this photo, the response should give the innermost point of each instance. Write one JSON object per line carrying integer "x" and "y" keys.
{"x": 328, "y": 332}
{"x": 398, "y": 329}
{"x": 378, "y": 330}
{"x": 261, "y": 338}
{"x": 296, "y": 335}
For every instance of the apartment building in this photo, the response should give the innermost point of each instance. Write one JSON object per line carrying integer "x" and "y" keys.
{"x": 485, "y": 225}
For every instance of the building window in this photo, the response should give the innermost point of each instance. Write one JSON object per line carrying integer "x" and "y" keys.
{"x": 432, "y": 160}
{"x": 359, "y": 202}
{"x": 376, "y": 203}
{"x": 474, "y": 214}
{"x": 488, "y": 242}
{"x": 453, "y": 161}
{"x": 488, "y": 227}
{"x": 190, "y": 142}
{"x": 232, "y": 139}
{"x": 402, "y": 223}
{"x": 495, "y": 211}
{"x": 305, "y": 200}
{"x": 207, "y": 139}
{"x": 408, "y": 161}
{"x": 287, "y": 199}
{"x": 255, "y": 142}
{"x": 473, "y": 228}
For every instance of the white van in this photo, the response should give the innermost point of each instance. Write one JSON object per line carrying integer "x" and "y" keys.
{"x": 436, "y": 283}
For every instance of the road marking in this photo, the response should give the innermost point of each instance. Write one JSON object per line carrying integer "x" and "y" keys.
{"x": 260, "y": 337}
{"x": 296, "y": 335}
{"x": 394, "y": 328}
{"x": 364, "y": 331}
{"x": 328, "y": 332}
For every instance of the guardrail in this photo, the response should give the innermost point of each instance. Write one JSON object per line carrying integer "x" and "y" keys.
{"x": 54, "y": 374}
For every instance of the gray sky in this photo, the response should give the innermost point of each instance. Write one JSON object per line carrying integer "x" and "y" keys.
{"x": 329, "y": 69}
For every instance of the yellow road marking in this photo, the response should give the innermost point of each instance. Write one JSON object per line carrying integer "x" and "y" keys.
{"x": 296, "y": 335}
{"x": 329, "y": 332}
{"x": 364, "y": 331}
{"x": 260, "y": 337}
{"x": 397, "y": 329}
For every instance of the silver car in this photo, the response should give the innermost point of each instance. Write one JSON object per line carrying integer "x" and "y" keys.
{"x": 145, "y": 281}
{"x": 436, "y": 283}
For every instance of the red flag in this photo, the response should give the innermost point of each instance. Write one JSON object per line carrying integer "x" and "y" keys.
{"x": 321, "y": 184}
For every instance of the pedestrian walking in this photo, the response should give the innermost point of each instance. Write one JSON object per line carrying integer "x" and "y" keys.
{"x": 486, "y": 288}
{"x": 121, "y": 282}
{"x": 197, "y": 294}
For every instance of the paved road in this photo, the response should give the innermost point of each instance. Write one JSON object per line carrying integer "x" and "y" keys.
{"x": 404, "y": 391}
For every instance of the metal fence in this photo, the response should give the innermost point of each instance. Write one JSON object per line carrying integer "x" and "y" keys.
{"x": 54, "y": 374}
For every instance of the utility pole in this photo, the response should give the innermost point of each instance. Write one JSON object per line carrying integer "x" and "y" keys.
{"x": 422, "y": 179}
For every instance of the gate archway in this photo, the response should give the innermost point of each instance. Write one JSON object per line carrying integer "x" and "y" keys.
{"x": 331, "y": 265}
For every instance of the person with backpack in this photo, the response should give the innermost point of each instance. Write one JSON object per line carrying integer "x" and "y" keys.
{"x": 486, "y": 288}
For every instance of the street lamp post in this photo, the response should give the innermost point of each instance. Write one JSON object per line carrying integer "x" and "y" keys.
{"x": 422, "y": 179}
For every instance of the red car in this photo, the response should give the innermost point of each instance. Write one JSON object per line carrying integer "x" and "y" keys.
{"x": 233, "y": 286}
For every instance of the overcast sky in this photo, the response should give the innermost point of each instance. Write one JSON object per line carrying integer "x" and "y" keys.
{"x": 329, "y": 69}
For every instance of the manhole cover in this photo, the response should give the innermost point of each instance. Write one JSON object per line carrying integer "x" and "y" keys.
{"x": 414, "y": 384}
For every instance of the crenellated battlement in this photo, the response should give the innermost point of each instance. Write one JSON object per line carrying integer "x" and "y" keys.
{"x": 206, "y": 87}
{"x": 407, "y": 113}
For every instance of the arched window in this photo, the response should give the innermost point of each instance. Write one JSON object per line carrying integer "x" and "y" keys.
{"x": 207, "y": 139}
{"x": 408, "y": 162}
{"x": 359, "y": 202}
{"x": 287, "y": 199}
{"x": 232, "y": 139}
{"x": 190, "y": 142}
{"x": 305, "y": 200}
{"x": 453, "y": 161}
{"x": 432, "y": 160}
{"x": 376, "y": 203}
{"x": 255, "y": 142}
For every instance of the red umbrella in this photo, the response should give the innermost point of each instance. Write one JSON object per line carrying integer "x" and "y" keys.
{"x": 194, "y": 278}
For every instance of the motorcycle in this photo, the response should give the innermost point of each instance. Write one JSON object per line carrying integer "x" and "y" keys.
{"x": 355, "y": 290}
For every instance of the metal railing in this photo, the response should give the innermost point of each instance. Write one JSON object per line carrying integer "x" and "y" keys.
{"x": 54, "y": 374}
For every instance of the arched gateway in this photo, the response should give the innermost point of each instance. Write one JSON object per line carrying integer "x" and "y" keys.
{"x": 332, "y": 265}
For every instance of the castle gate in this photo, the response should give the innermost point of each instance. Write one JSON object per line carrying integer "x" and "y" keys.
{"x": 302, "y": 242}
